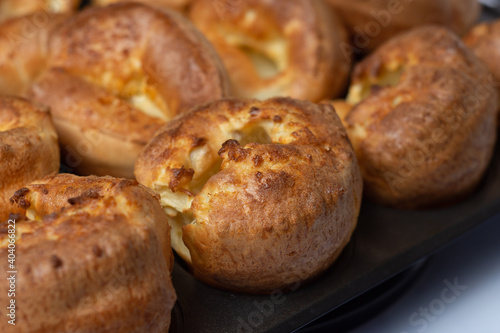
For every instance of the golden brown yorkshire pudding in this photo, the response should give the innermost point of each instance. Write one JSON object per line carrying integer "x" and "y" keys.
{"x": 484, "y": 40}
{"x": 117, "y": 74}
{"x": 28, "y": 148}
{"x": 277, "y": 48}
{"x": 371, "y": 22}
{"x": 24, "y": 50}
{"x": 179, "y": 5}
{"x": 423, "y": 122}
{"x": 260, "y": 194}
{"x": 17, "y": 8}
{"x": 94, "y": 256}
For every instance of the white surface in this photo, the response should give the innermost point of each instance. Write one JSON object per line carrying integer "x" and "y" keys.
{"x": 475, "y": 262}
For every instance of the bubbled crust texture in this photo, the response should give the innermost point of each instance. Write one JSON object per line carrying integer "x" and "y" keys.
{"x": 459, "y": 15}
{"x": 315, "y": 66}
{"x": 102, "y": 57}
{"x": 429, "y": 138}
{"x": 98, "y": 260}
{"x": 28, "y": 148}
{"x": 24, "y": 50}
{"x": 17, "y": 8}
{"x": 275, "y": 214}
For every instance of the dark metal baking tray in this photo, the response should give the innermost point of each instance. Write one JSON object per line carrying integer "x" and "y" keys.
{"x": 386, "y": 242}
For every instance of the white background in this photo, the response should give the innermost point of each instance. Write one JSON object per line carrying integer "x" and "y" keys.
{"x": 475, "y": 261}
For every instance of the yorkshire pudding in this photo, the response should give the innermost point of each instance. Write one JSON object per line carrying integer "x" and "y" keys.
{"x": 260, "y": 194}
{"x": 93, "y": 256}
{"x": 484, "y": 41}
{"x": 371, "y": 22}
{"x": 44, "y": 9}
{"x": 117, "y": 73}
{"x": 24, "y": 50}
{"x": 423, "y": 121}
{"x": 277, "y": 48}
{"x": 28, "y": 148}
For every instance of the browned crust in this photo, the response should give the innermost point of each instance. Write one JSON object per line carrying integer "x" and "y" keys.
{"x": 359, "y": 17}
{"x": 17, "y": 8}
{"x": 24, "y": 50}
{"x": 275, "y": 214}
{"x": 108, "y": 41}
{"x": 99, "y": 259}
{"x": 99, "y": 132}
{"x": 484, "y": 41}
{"x": 316, "y": 68}
{"x": 342, "y": 108}
{"x": 429, "y": 138}
{"x": 103, "y": 110}
{"x": 179, "y": 5}
{"x": 103, "y": 56}
{"x": 28, "y": 148}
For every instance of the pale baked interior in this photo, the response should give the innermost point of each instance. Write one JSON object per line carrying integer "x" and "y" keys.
{"x": 205, "y": 162}
{"x": 56, "y": 6}
{"x": 268, "y": 53}
{"x": 144, "y": 103}
{"x": 389, "y": 76}
{"x": 7, "y": 126}
{"x": 265, "y": 66}
{"x": 139, "y": 91}
{"x": 269, "y": 56}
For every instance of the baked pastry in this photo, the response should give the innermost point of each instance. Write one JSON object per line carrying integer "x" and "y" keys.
{"x": 484, "y": 41}
{"x": 179, "y": 5}
{"x": 44, "y": 9}
{"x": 371, "y": 22}
{"x": 260, "y": 194}
{"x": 342, "y": 108}
{"x": 117, "y": 73}
{"x": 423, "y": 123}
{"x": 284, "y": 48}
{"x": 28, "y": 148}
{"x": 94, "y": 256}
{"x": 24, "y": 50}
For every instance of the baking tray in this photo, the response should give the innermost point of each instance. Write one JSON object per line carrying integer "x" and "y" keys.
{"x": 385, "y": 243}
